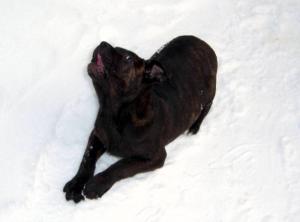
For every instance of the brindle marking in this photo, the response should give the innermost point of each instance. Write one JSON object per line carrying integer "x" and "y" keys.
{"x": 144, "y": 105}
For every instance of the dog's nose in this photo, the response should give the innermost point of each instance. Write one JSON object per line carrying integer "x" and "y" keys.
{"x": 104, "y": 49}
{"x": 104, "y": 45}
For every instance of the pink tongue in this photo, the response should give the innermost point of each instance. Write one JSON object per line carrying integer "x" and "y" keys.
{"x": 99, "y": 62}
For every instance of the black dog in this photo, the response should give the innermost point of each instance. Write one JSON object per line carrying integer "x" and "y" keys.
{"x": 144, "y": 105}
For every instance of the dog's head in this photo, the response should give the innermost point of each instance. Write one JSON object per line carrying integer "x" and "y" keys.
{"x": 122, "y": 72}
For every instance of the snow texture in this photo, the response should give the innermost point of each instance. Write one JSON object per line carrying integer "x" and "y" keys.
{"x": 243, "y": 165}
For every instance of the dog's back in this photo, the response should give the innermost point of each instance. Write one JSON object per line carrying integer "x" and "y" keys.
{"x": 190, "y": 65}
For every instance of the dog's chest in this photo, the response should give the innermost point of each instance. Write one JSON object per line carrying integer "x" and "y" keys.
{"x": 131, "y": 125}
{"x": 129, "y": 143}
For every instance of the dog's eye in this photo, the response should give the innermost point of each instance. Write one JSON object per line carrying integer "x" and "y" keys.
{"x": 128, "y": 58}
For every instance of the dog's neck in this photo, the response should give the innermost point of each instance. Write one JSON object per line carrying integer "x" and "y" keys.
{"x": 111, "y": 102}
{"x": 110, "y": 106}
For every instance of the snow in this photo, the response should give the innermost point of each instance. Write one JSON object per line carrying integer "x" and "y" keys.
{"x": 243, "y": 165}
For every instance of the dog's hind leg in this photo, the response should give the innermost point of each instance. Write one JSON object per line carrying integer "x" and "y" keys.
{"x": 124, "y": 168}
{"x": 196, "y": 125}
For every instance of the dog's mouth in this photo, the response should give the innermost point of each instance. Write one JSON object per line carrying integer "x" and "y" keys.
{"x": 96, "y": 67}
{"x": 99, "y": 62}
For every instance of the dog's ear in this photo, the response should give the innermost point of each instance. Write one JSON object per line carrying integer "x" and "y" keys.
{"x": 154, "y": 72}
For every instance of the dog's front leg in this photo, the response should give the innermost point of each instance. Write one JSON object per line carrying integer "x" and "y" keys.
{"x": 124, "y": 168}
{"x": 93, "y": 151}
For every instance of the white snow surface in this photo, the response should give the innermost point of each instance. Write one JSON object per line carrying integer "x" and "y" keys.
{"x": 243, "y": 165}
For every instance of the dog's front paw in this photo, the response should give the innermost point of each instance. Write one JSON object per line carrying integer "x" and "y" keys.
{"x": 73, "y": 190}
{"x": 96, "y": 187}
